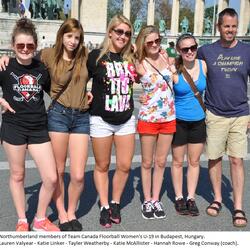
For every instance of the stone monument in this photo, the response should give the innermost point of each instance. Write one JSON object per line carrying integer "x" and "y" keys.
{"x": 207, "y": 26}
{"x": 184, "y": 25}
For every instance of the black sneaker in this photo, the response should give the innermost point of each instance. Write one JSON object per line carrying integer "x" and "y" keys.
{"x": 105, "y": 218}
{"x": 158, "y": 210}
{"x": 181, "y": 207}
{"x": 192, "y": 208}
{"x": 147, "y": 210}
{"x": 76, "y": 225}
{"x": 115, "y": 213}
{"x": 66, "y": 226}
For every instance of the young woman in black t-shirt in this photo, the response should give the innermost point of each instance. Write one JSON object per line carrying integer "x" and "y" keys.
{"x": 24, "y": 125}
{"x": 111, "y": 120}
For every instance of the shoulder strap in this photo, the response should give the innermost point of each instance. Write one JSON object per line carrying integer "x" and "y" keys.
{"x": 67, "y": 79}
{"x": 158, "y": 71}
{"x": 193, "y": 87}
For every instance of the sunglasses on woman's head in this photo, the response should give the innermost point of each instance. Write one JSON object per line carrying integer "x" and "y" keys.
{"x": 29, "y": 46}
{"x": 193, "y": 48}
{"x": 120, "y": 32}
{"x": 151, "y": 43}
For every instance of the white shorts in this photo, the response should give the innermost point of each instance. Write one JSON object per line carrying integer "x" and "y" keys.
{"x": 100, "y": 128}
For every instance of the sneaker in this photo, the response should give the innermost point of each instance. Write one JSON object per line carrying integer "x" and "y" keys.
{"x": 22, "y": 226}
{"x": 76, "y": 225}
{"x": 158, "y": 210}
{"x": 181, "y": 207}
{"x": 115, "y": 213}
{"x": 105, "y": 218}
{"x": 192, "y": 208}
{"x": 44, "y": 225}
{"x": 147, "y": 210}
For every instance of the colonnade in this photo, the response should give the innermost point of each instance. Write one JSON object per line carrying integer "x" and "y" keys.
{"x": 94, "y": 16}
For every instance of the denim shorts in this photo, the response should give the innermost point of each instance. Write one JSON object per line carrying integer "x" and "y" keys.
{"x": 67, "y": 120}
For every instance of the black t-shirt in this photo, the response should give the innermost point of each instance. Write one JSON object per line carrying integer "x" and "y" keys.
{"x": 22, "y": 87}
{"x": 112, "y": 87}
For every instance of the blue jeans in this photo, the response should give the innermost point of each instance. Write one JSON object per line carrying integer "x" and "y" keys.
{"x": 67, "y": 120}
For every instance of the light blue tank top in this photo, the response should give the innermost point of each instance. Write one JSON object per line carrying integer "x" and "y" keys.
{"x": 187, "y": 105}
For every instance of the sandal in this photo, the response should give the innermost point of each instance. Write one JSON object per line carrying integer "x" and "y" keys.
{"x": 217, "y": 209}
{"x": 235, "y": 218}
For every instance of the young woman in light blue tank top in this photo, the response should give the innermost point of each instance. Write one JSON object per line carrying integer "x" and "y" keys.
{"x": 190, "y": 124}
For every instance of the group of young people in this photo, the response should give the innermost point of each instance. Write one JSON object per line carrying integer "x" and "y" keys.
{"x": 171, "y": 115}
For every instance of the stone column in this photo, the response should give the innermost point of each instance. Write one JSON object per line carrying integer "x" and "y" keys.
{"x": 126, "y": 8}
{"x": 1, "y": 7}
{"x": 222, "y": 4}
{"x": 75, "y": 9}
{"x": 244, "y": 17}
{"x": 93, "y": 16}
{"x": 175, "y": 17}
{"x": 151, "y": 12}
{"x": 199, "y": 17}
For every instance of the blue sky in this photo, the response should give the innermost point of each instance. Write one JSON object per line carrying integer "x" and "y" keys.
{"x": 232, "y": 4}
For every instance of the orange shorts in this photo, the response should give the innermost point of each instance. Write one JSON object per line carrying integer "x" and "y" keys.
{"x": 156, "y": 128}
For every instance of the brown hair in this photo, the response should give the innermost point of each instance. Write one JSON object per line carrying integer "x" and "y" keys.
{"x": 179, "y": 60}
{"x": 79, "y": 54}
{"x": 24, "y": 26}
{"x": 226, "y": 12}
{"x": 140, "y": 40}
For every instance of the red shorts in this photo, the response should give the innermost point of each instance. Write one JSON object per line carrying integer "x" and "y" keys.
{"x": 156, "y": 128}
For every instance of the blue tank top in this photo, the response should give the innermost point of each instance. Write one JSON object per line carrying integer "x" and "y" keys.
{"x": 187, "y": 105}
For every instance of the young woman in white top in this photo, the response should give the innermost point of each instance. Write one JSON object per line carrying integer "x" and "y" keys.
{"x": 156, "y": 121}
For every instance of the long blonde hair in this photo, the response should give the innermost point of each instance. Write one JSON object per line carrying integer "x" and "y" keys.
{"x": 140, "y": 40}
{"x": 79, "y": 54}
{"x": 126, "y": 52}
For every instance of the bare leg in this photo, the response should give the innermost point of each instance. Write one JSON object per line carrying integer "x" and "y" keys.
{"x": 124, "y": 156}
{"x": 102, "y": 152}
{"x": 162, "y": 148}
{"x": 194, "y": 153}
{"x": 215, "y": 173}
{"x": 237, "y": 176}
{"x": 78, "y": 151}
{"x": 60, "y": 145}
{"x": 147, "y": 152}
{"x": 177, "y": 168}
{"x": 47, "y": 169}
{"x": 16, "y": 158}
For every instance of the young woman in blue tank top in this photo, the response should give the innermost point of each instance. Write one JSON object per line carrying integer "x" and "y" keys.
{"x": 190, "y": 124}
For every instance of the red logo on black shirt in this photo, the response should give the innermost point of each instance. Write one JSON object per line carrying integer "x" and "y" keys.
{"x": 27, "y": 86}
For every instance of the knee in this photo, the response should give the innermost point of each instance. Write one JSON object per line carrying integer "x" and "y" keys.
{"x": 177, "y": 164}
{"x": 194, "y": 163}
{"x": 160, "y": 163}
{"x": 77, "y": 178}
{"x": 146, "y": 164}
{"x": 50, "y": 182}
{"x": 123, "y": 167}
{"x": 17, "y": 176}
{"x": 236, "y": 162}
{"x": 102, "y": 167}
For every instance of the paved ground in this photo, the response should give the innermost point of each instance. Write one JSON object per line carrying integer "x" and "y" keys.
{"x": 132, "y": 220}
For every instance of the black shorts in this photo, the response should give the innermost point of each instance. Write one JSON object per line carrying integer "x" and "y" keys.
{"x": 18, "y": 135}
{"x": 189, "y": 132}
